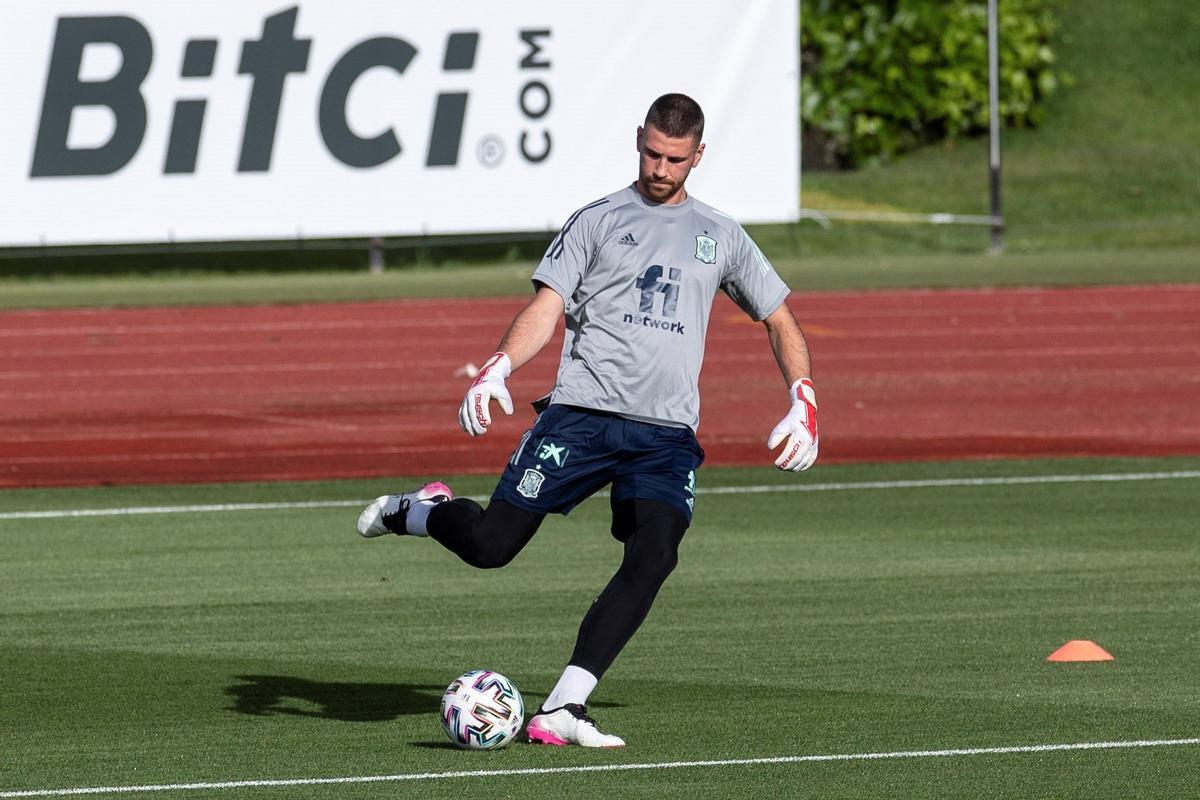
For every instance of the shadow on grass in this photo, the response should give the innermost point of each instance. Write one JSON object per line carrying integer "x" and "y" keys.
{"x": 442, "y": 745}
{"x": 263, "y": 695}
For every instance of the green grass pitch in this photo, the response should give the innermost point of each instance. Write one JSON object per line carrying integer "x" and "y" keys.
{"x": 250, "y": 645}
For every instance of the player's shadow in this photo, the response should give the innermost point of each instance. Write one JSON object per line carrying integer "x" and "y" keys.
{"x": 263, "y": 695}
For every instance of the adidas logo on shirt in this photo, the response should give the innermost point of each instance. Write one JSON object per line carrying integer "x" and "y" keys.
{"x": 628, "y": 240}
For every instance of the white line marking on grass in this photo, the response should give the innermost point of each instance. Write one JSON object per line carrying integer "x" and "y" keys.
{"x": 500, "y": 773}
{"x": 1013, "y": 480}
{"x": 195, "y": 509}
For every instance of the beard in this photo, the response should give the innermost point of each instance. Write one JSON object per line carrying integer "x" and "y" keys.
{"x": 659, "y": 192}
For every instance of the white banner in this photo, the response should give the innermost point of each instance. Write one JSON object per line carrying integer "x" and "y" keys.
{"x": 157, "y": 120}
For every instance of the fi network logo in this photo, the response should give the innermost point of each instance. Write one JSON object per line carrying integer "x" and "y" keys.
{"x": 658, "y": 299}
{"x": 277, "y": 54}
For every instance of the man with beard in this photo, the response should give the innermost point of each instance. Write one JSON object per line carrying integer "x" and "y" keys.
{"x": 635, "y": 274}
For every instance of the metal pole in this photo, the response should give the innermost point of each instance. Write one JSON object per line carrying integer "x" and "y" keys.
{"x": 799, "y": 121}
{"x": 994, "y": 124}
{"x": 375, "y": 260}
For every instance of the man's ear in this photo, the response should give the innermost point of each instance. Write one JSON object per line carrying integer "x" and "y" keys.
{"x": 699, "y": 155}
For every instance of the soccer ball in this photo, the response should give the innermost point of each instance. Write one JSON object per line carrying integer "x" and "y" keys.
{"x": 482, "y": 710}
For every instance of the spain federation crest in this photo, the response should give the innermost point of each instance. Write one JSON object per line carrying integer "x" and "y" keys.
{"x": 531, "y": 484}
{"x": 706, "y": 249}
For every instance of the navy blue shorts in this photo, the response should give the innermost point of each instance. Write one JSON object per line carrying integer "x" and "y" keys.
{"x": 571, "y": 453}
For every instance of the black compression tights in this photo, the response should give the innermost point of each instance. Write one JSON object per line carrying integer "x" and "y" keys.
{"x": 485, "y": 539}
{"x": 650, "y": 530}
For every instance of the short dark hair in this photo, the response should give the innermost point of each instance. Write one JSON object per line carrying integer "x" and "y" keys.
{"x": 676, "y": 115}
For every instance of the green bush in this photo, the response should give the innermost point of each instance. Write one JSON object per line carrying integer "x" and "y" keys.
{"x": 880, "y": 77}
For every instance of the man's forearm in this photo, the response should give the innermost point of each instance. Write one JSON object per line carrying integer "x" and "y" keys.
{"x": 532, "y": 328}
{"x": 789, "y": 345}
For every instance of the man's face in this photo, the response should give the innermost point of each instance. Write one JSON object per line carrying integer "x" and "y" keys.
{"x": 665, "y": 163}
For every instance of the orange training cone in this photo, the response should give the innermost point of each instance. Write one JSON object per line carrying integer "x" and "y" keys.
{"x": 1080, "y": 650}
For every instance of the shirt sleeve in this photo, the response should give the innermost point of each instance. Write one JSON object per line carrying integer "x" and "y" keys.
{"x": 567, "y": 259}
{"x": 751, "y": 281}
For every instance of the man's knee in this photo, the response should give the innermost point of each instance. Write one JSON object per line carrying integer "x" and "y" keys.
{"x": 654, "y": 563}
{"x": 491, "y": 555}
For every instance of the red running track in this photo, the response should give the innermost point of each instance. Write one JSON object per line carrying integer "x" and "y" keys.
{"x": 370, "y": 389}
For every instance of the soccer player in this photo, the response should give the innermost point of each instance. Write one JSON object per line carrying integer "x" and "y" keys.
{"x": 635, "y": 274}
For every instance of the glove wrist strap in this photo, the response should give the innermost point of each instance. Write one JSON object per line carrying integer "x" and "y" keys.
{"x": 803, "y": 391}
{"x": 498, "y": 365}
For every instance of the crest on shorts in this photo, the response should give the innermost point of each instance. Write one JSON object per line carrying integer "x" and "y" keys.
{"x": 706, "y": 249}
{"x": 531, "y": 483}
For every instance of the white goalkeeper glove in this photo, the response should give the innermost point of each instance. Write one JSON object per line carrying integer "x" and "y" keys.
{"x": 474, "y": 415}
{"x": 799, "y": 428}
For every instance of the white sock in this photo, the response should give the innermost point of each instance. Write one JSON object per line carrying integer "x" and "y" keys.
{"x": 418, "y": 513}
{"x": 575, "y": 686}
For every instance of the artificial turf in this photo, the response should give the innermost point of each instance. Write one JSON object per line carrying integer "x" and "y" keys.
{"x": 223, "y": 645}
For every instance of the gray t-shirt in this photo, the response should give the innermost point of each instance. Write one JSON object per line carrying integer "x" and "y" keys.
{"x": 638, "y": 280}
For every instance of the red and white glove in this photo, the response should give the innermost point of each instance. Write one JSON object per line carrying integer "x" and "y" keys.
{"x": 474, "y": 415}
{"x": 799, "y": 428}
